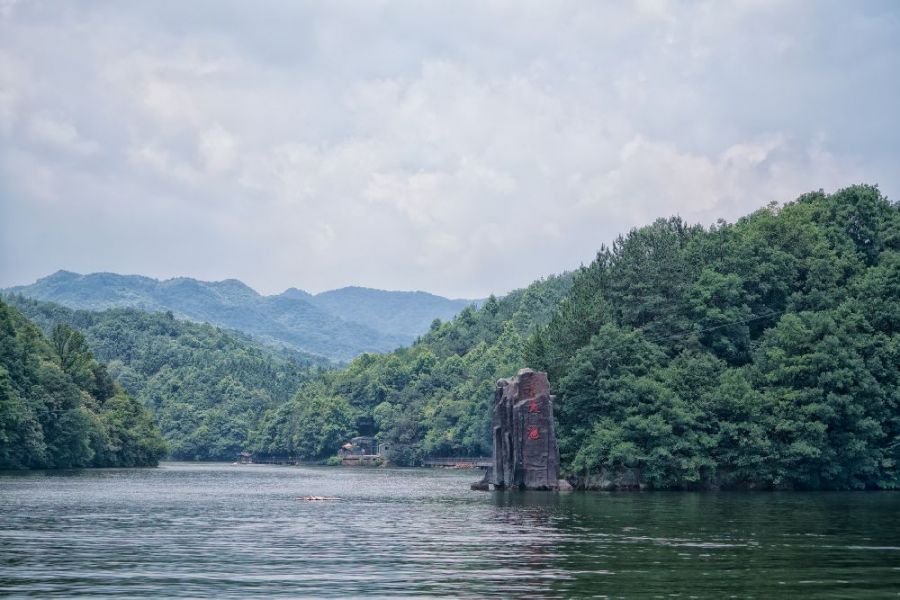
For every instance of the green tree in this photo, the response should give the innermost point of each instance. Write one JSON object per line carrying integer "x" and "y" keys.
{"x": 58, "y": 407}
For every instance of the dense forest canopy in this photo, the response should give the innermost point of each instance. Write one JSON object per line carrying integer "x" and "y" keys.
{"x": 762, "y": 353}
{"x": 59, "y": 408}
{"x": 207, "y": 387}
{"x": 216, "y": 393}
{"x": 431, "y": 398}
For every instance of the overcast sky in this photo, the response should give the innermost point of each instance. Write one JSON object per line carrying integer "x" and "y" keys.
{"x": 458, "y": 147}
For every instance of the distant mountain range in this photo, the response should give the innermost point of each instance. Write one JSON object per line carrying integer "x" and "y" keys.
{"x": 338, "y": 324}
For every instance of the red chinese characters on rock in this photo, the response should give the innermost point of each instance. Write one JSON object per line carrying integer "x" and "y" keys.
{"x": 525, "y": 452}
{"x": 533, "y": 432}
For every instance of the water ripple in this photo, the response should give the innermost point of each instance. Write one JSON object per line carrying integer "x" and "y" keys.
{"x": 237, "y": 532}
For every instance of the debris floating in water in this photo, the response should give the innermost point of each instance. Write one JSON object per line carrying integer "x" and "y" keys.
{"x": 316, "y": 498}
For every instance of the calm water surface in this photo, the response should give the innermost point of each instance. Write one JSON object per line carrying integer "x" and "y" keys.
{"x": 205, "y": 530}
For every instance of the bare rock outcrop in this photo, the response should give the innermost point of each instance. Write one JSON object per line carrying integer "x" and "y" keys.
{"x": 526, "y": 455}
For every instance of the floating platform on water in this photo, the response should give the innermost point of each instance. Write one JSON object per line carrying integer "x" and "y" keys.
{"x": 316, "y": 498}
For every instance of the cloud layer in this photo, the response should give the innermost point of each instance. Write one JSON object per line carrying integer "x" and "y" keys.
{"x": 462, "y": 148}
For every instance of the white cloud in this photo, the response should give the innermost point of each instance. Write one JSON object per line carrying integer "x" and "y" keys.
{"x": 217, "y": 149}
{"x": 7, "y": 7}
{"x": 12, "y": 80}
{"x": 463, "y": 148}
{"x": 60, "y": 135}
{"x": 161, "y": 161}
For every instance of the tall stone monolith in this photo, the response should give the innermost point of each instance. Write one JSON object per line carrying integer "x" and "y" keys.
{"x": 526, "y": 455}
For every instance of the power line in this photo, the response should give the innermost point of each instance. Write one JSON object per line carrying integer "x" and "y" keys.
{"x": 741, "y": 322}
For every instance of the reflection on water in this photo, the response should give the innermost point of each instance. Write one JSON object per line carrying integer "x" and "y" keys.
{"x": 226, "y": 531}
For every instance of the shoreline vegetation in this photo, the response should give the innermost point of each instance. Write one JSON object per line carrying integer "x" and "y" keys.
{"x": 207, "y": 387}
{"x": 60, "y": 408}
{"x": 760, "y": 354}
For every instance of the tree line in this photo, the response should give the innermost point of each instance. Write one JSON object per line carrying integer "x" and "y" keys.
{"x": 763, "y": 353}
{"x": 60, "y": 408}
{"x": 207, "y": 387}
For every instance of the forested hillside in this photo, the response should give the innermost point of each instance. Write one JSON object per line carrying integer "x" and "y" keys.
{"x": 431, "y": 398}
{"x": 59, "y": 408}
{"x": 207, "y": 387}
{"x": 339, "y": 325}
{"x": 762, "y": 353}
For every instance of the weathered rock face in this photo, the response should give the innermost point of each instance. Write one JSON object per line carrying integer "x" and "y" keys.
{"x": 526, "y": 455}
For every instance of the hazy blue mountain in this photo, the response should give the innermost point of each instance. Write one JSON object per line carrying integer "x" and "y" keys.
{"x": 339, "y": 325}
{"x": 406, "y": 313}
{"x": 297, "y": 294}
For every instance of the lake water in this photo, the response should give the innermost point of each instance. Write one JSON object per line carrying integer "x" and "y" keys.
{"x": 189, "y": 530}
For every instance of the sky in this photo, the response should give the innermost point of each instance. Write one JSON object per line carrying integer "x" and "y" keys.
{"x": 461, "y": 147}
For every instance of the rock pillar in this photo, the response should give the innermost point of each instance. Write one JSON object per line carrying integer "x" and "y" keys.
{"x": 526, "y": 455}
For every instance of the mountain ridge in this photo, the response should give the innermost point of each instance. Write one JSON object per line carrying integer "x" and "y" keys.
{"x": 337, "y": 324}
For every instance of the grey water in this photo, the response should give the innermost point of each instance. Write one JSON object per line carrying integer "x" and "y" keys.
{"x": 213, "y": 530}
